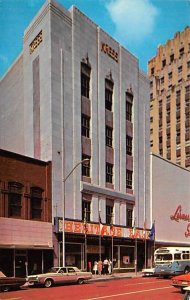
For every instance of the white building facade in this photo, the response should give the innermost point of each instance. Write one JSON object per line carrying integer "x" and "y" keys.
{"x": 170, "y": 205}
{"x": 75, "y": 93}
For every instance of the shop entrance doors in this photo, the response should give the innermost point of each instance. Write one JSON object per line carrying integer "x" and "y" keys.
{"x": 20, "y": 263}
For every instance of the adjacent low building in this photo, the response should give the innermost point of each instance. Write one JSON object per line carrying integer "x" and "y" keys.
{"x": 26, "y": 244}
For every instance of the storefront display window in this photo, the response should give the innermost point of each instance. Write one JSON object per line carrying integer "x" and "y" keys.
{"x": 127, "y": 257}
{"x": 73, "y": 255}
{"x": 123, "y": 257}
{"x": 115, "y": 257}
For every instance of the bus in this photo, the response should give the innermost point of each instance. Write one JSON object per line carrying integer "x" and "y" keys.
{"x": 170, "y": 261}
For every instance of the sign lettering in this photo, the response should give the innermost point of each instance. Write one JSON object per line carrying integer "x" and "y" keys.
{"x": 94, "y": 229}
{"x": 180, "y": 216}
{"x": 109, "y": 51}
{"x": 36, "y": 41}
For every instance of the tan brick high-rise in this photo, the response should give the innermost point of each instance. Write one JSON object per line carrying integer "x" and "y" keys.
{"x": 169, "y": 73}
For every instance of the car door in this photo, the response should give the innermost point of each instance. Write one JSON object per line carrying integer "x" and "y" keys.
{"x": 62, "y": 278}
{"x": 72, "y": 275}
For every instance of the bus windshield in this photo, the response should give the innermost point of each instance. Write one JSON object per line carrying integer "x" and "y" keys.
{"x": 163, "y": 257}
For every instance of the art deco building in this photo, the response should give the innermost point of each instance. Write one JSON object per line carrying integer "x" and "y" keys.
{"x": 169, "y": 73}
{"x": 75, "y": 93}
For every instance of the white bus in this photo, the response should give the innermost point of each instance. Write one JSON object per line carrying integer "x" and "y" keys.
{"x": 171, "y": 261}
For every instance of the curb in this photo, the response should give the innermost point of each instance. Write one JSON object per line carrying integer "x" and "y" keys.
{"x": 113, "y": 277}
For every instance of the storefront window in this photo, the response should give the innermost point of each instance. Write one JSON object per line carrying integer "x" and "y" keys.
{"x": 127, "y": 257}
{"x": 115, "y": 257}
{"x": 73, "y": 255}
{"x": 123, "y": 257}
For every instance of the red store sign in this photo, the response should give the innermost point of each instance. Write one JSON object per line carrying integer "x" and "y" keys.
{"x": 180, "y": 216}
{"x": 104, "y": 230}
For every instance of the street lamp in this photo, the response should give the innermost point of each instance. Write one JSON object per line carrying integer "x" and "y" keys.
{"x": 86, "y": 160}
{"x": 112, "y": 215}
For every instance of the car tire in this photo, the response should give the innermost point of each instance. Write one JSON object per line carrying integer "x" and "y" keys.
{"x": 48, "y": 283}
{"x": 80, "y": 281}
{"x": 5, "y": 288}
{"x": 183, "y": 291}
{"x": 186, "y": 271}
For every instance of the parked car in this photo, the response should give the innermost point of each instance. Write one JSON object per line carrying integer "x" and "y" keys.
{"x": 181, "y": 281}
{"x": 8, "y": 283}
{"x": 187, "y": 294}
{"x": 148, "y": 272}
{"x": 59, "y": 275}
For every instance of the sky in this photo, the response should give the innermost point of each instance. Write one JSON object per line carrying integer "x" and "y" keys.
{"x": 138, "y": 25}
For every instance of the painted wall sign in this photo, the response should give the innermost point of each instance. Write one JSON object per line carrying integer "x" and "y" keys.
{"x": 179, "y": 215}
{"x": 109, "y": 51}
{"x": 103, "y": 230}
{"x": 36, "y": 41}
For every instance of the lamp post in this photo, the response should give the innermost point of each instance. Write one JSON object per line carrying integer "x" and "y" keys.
{"x": 112, "y": 215}
{"x": 63, "y": 222}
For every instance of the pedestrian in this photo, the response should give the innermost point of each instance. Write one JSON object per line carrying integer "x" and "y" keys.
{"x": 95, "y": 267}
{"x": 109, "y": 266}
{"x": 105, "y": 265}
{"x": 89, "y": 266}
{"x": 99, "y": 267}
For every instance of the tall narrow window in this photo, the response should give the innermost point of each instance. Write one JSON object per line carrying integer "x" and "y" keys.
{"x": 85, "y": 126}
{"x": 109, "y": 173}
{"x": 86, "y": 210}
{"x": 129, "y": 216}
{"x": 85, "y": 85}
{"x": 86, "y": 166}
{"x": 181, "y": 52}
{"x": 108, "y": 94}
{"x": 36, "y": 203}
{"x": 109, "y": 132}
{"x": 85, "y": 78}
{"x": 108, "y": 99}
{"x": 164, "y": 63}
{"x": 129, "y": 105}
{"x": 15, "y": 199}
{"x": 109, "y": 212}
{"x": 187, "y": 95}
{"x": 129, "y": 179}
{"x": 129, "y": 145}
{"x": 171, "y": 58}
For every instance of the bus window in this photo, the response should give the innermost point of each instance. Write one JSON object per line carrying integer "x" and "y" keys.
{"x": 185, "y": 256}
{"x": 163, "y": 257}
{"x": 177, "y": 256}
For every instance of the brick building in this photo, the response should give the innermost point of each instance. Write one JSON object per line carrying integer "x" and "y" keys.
{"x": 25, "y": 214}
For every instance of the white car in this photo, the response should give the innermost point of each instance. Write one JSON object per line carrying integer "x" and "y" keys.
{"x": 59, "y": 275}
{"x": 148, "y": 272}
{"x": 187, "y": 293}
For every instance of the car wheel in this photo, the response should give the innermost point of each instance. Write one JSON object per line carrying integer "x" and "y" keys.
{"x": 80, "y": 281}
{"x": 5, "y": 288}
{"x": 186, "y": 270}
{"x": 48, "y": 283}
{"x": 183, "y": 291}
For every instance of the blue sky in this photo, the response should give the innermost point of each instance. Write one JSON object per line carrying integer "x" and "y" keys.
{"x": 139, "y": 25}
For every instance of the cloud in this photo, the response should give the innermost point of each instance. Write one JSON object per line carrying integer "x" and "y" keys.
{"x": 3, "y": 59}
{"x": 134, "y": 19}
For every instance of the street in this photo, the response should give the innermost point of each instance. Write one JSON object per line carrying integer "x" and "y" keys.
{"x": 130, "y": 289}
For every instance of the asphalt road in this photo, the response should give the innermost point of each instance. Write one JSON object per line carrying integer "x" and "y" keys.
{"x": 128, "y": 289}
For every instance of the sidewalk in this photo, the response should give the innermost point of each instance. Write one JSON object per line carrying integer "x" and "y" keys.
{"x": 115, "y": 276}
